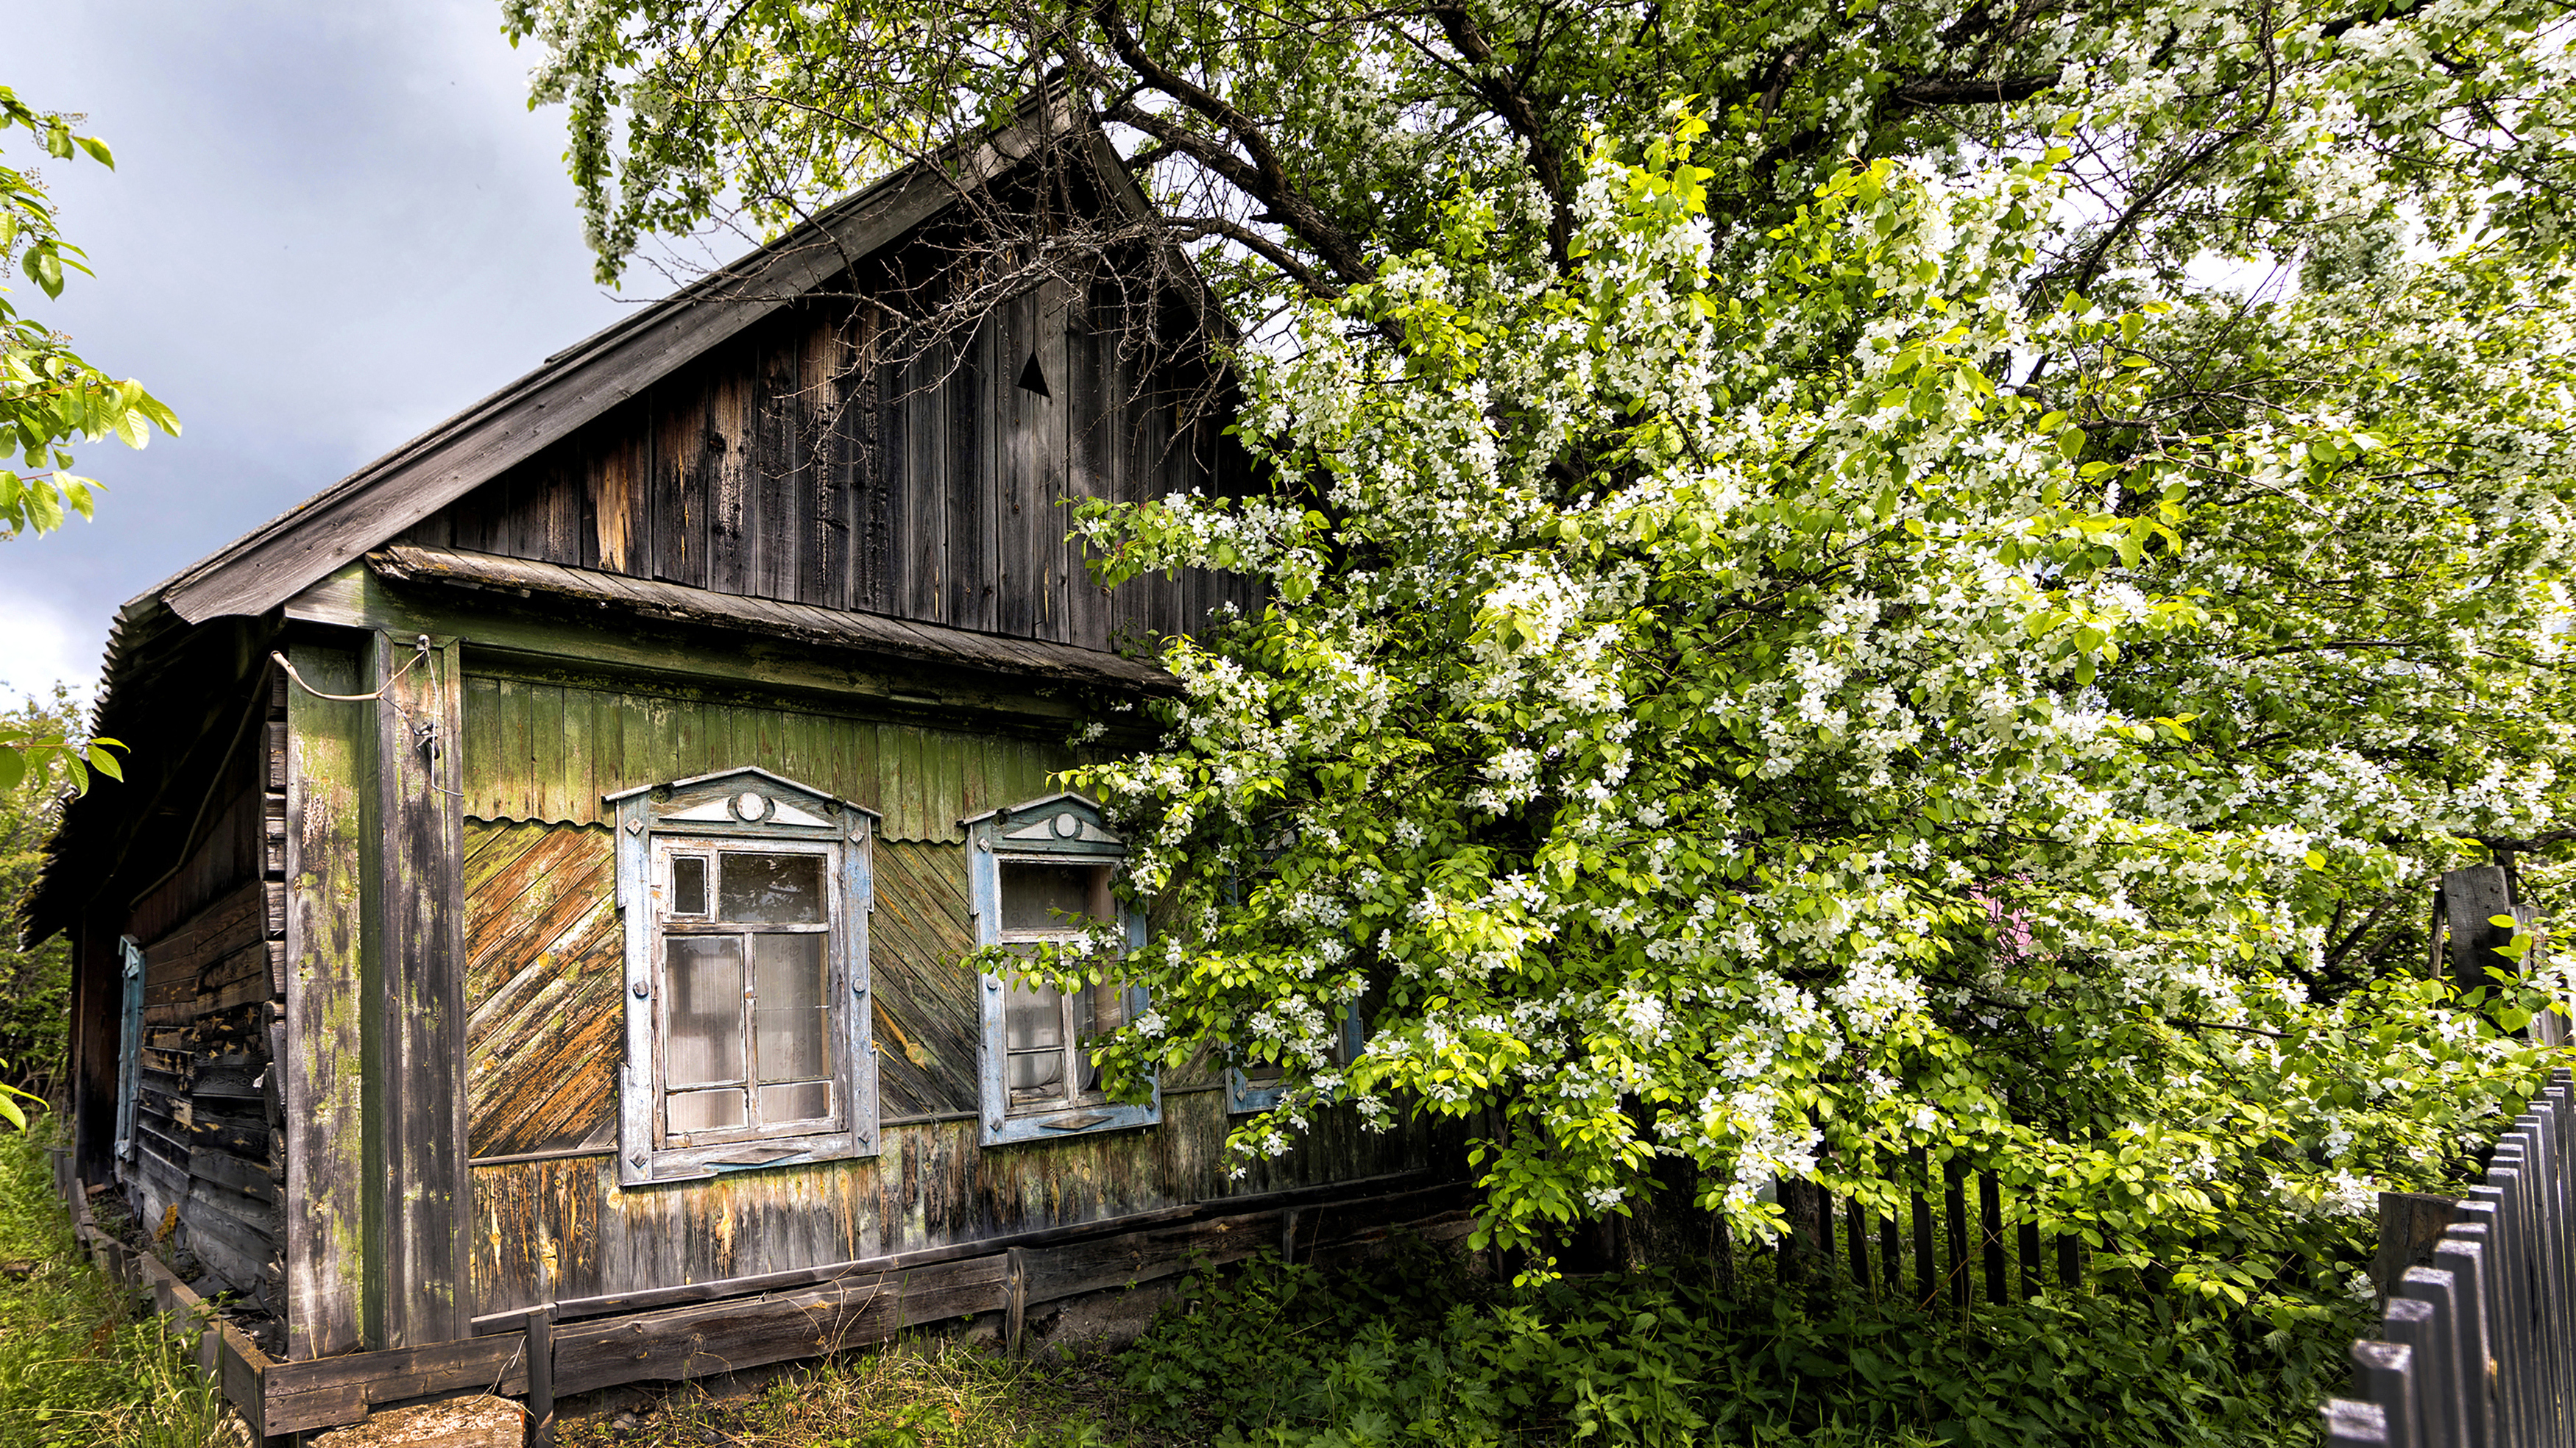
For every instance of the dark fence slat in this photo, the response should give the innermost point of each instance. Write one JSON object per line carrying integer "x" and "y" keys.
{"x": 2383, "y": 1373}
{"x": 1890, "y": 1257}
{"x": 1990, "y": 1235}
{"x": 2412, "y": 1323}
{"x": 2486, "y": 1219}
{"x": 2462, "y": 1252}
{"x": 2353, "y": 1424}
{"x": 2437, "y": 1342}
{"x": 1927, "y": 1269}
{"x": 1954, "y": 1204}
{"x": 1856, "y": 1234}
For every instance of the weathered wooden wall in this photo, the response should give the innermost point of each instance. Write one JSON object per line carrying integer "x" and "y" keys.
{"x": 544, "y": 959}
{"x": 550, "y": 751}
{"x": 329, "y": 810}
{"x": 544, "y": 965}
{"x": 815, "y": 461}
{"x": 564, "y": 1228}
{"x": 207, "y": 1162}
{"x": 544, "y": 999}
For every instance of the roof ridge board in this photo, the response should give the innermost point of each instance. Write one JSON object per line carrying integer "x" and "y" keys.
{"x": 198, "y": 592}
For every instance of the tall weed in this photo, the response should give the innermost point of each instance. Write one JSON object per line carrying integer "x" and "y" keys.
{"x": 78, "y": 1366}
{"x": 1421, "y": 1353}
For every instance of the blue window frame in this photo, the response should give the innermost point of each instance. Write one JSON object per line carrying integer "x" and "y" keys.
{"x": 1041, "y": 872}
{"x": 129, "y": 1047}
{"x": 1257, "y": 1086}
{"x": 748, "y": 1023}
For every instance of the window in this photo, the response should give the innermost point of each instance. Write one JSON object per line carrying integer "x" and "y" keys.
{"x": 1041, "y": 872}
{"x": 129, "y": 1046}
{"x": 1257, "y": 1085}
{"x": 746, "y": 899}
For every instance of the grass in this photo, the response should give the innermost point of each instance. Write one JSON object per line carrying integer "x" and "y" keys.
{"x": 932, "y": 1392}
{"x": 1413, "y": 1353}
{"x": 78, "y": 1365}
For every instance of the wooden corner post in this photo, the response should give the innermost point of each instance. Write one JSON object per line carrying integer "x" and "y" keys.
{"x": 328, "y": 757}
{"x": 415, "y": 1009}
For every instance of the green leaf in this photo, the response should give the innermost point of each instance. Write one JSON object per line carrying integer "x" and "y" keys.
{"x": 45, "y": 268}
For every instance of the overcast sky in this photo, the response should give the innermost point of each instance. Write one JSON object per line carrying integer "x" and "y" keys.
{"x": 331, "y": 225}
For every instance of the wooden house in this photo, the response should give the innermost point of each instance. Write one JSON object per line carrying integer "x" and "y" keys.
{"x": 531, "y": 942}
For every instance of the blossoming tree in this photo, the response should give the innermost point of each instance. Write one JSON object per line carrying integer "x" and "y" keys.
{"x": 1850, "y": 590}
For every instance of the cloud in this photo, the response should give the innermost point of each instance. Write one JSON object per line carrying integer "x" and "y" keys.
{"x": 42, "y": 643}
{"x": 329, "y": 228}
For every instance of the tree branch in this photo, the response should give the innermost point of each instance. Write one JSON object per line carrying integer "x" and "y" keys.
{"x": 1502, "y": 90}
{"x": 1265, "y": 179}
{"x": 2336, "y": 29}
{"x": 1934, "y": 91}
{"x": 1261, "y": 246}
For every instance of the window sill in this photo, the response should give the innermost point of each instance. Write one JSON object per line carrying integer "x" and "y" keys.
{"x": 706, "y": 1163}
{"x": 1084, "y": 1120}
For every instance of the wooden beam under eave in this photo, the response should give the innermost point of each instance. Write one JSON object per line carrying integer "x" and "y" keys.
{"x": 490, "y": 624}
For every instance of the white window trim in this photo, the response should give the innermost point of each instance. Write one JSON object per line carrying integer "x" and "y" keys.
{"x": 737, "y": 808}
{"x": 1037, "y": 832}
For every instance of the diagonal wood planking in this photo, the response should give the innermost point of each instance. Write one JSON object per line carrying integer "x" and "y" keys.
{"x": 542, "y": 971}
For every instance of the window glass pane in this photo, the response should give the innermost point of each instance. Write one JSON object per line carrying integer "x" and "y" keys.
{"x": 702, "y": 1110}
{"x": 770, "y": 889}
{"x": 688, "y": 885}
{"x": 1041, "y": 897}
{"x": 702, "y": 1010}
{"x": 1036, "y": 1077}
{"x": 788, "y": 1008}
{"x": 1032, "y": 1016}
{"x": 1098, "y": 1011}
{"x": 804, "y": 1101}
{"x": 1033, "y": 1040}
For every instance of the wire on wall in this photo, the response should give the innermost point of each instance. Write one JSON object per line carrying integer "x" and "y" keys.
{"x": 420, "y": 645}
{"x": 424, "y": 731}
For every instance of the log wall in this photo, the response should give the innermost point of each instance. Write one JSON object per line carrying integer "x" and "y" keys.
{"x": 205, "y": 1174}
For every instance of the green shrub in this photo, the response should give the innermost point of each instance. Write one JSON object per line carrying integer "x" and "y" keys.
{"x": 35, "y": 984}
{"x": 1421, "y": 1353}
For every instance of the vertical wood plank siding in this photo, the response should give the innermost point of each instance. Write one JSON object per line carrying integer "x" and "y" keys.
{"x": 806, "y": 461}
{"x": 549, "y": 752}
{"x": 564, "y": 1228}
{"x": 202, "y": 1140}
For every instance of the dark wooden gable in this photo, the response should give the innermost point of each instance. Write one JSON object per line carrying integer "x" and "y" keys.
{"x": 840, "y": 455}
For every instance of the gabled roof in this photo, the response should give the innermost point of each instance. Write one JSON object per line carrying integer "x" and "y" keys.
{"x": 289, "y": 553}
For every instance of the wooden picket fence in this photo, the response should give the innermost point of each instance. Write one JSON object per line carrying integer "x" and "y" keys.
{"x": 2478, "y": 1347}
{"x": 1995, "y": 1251}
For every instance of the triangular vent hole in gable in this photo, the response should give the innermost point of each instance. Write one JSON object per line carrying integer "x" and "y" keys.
{"x": 1033, "y": 377}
